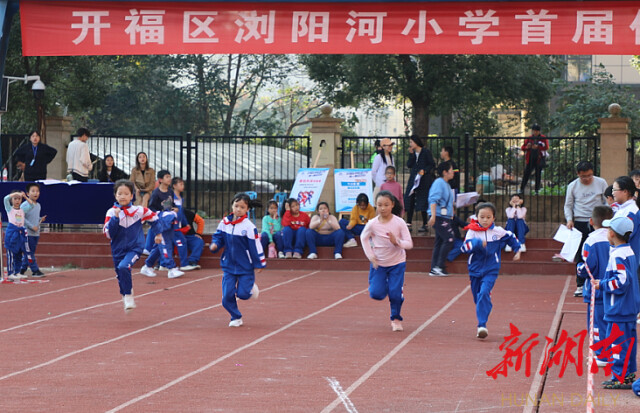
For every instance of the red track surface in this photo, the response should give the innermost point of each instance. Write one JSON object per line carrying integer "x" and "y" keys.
{"x": 314, "y": 341}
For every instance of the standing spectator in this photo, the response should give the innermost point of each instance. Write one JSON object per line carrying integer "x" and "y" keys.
{"x": 441, "y": 214}
{"x": 143, "y": 177}
{"x": 110, "y": 172}
{"x": 583, "y": 194}
{"x": 33, "y": 158}
{"x": 78, "y": 158}
{"x": 393, "y": 186}
{"x": 378, "y": 150}
{"x": 420, "y": 163}
{"x": 535, "y": 149}
{"x": 380, "y": 163}
{"x": 446, "y": 154}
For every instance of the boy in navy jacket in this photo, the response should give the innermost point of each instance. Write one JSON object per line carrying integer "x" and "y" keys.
{"x": 484, "y": 243}
{"x": 595, "y": 255}
{"x": 621, "y": 301}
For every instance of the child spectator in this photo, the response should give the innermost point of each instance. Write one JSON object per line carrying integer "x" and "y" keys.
{"x": 271, "y": 236}
{"x": 238, "y": 234}
{"x": 384, "y": 241}
{"x": 324, "y": 230}
{"x": 623, "y": 193}
{"x": 440, "y": 215}
{"x": 285, "y": 207}
{"x": 595, "y": 254}
{"x": 484, "y": 242}
{"x": 635, "y": 175}
{"x": 32, "y": 221}
{"x": 361, "y": 213}
{"x": 393, "y": 186}
{"x": 195, "y": 243}
{"x": 15, "y": 237}
{"x": 608, "y": 194}
{"x": 516, "y": 223}
{"x": 294, "y": 228}
{"x": 164, "y": 237}
{"x": 158, "y": 196}
{"x": 621, "y": 298}
{"x": 182, "y": 227}
{"x": 123, "y": 226}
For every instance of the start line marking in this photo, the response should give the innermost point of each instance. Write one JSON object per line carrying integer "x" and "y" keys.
{"x": 348, "y": 404}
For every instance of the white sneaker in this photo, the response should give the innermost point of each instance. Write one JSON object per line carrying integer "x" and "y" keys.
{"x": 508, "y": 249}
{"x": 148, "y": 271}
{"x": 312, "y": 256}
{"x": 255, "y": 292}
{"x": 337, "y": 256}
{"x": 482, "y": 332}
{"x": 578, "y": 292}
{"x": 437, "y": 272}
{"x": 129, "y": 303}
{"x": 601, "y": 363}
{"x": 14, "y": 277}
{"x": 145, "y": 252}
{"x": 236, "y": 323}
{"x": 175, "y": 273}
{"x": 351, "y": 243}
{"x": 280, "y": 254}
{"x": 188, "y": 268}
{"x": 523, "y": 248}
{"x": 22, "y": 276}
{"x": 161, "y": 268}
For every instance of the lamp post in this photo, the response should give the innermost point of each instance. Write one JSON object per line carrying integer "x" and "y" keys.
{"x": 37, "y": 88}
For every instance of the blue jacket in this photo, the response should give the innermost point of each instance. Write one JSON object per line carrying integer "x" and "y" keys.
{"x": 619, "y": 286}
{"x": 630, "y": 209}
{"x": 595, "y": 253}
{"x": 486, "y": 260}
{"x": 441, "y": 194}
{"x": 125, "y": 229}
{"x": 242, "y": 248}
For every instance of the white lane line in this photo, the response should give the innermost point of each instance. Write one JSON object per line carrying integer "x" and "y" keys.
{"x": 337, "y": 388}
{"x": 131, "y": 333}
{"x": 56, "y": 291}
{"x": 394, "y": 351}
{"x": 537, "y": 380}
{"x": 236, "y": 351}
{"x": 42, "y": 320}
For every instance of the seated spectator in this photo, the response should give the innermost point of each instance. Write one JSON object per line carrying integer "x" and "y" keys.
{"x": 271, "y": 236}
{"x": 361, "y": 213}
{"x": 110, "y": 172}
{"x": 294, "y": 228}
{"x": 324, "y": 230}
{"x": 195, "y": 243}
{"x": 143, "y": 177}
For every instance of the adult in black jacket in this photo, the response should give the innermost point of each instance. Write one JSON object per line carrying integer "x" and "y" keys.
{"x": 33, "y": 158}
{"x": 421, "y": 164}
{"x": 110, "y": 172}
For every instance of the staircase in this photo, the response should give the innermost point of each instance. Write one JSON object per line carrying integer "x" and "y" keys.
{"x": 92, "y": 250}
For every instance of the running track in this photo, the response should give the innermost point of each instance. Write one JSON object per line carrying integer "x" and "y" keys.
{"x": 313, "y": 342}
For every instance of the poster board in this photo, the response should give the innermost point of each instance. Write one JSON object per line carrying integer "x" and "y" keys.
{"x": 348, "y": 184}
{"x": 308, "y": 187}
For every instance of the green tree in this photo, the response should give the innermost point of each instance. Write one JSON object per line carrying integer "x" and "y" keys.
{"x": 461, "y": 88}
{"x": 581, "y": 104}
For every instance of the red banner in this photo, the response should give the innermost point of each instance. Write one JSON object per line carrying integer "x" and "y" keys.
{"x": 58, "y": 28}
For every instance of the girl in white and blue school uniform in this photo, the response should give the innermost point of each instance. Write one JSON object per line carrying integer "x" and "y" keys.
{"x": 15, "y": 237}
{"x": 242, "y": 257}
{"x": 484, "y": 243}
{"x": 123, "y": 226}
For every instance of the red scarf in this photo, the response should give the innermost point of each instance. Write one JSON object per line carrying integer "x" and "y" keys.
{"x": 124, "y": 209}
{"x": 237, "y": 221}
{"x": 475, "y": 226}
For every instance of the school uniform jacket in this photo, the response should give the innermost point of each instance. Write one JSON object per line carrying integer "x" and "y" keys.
{"x": 486, "y": 260}
{"x": 242, "y": 248}
{"x": 620, "y": 292}
{"x": 595, "y": 254}
{"x": 630, "y": 210}
{"x": 125, "y": 229}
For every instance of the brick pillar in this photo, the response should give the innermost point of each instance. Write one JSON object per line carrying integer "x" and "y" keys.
{"x": 59, "y": 131}
{"x": 614, "y": 141}
{"x": 326, "y": 135}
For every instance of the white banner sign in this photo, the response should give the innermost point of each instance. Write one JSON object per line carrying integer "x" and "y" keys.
{"x": 349, "y": 183}
{"x": 308, "y": 187}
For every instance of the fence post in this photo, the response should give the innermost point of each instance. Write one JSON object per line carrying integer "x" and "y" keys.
{"x": 187, "y": 179}
{"x": 614, "y": 138}
{"x": 326, "y": 135}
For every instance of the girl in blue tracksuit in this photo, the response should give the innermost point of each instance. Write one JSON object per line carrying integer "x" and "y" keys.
{"x": 123, "y": 226}
{"x": 595, "y": 255}
{"x": 621, "y": 298}
{"x": 484, "y": 243}
{"x": 242, "y": 256}
{"x": 15, "y": 238}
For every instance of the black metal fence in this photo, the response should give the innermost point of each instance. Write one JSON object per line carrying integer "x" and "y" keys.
{"x": 494, "y": 167}
{"x": 214, "y": 167}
